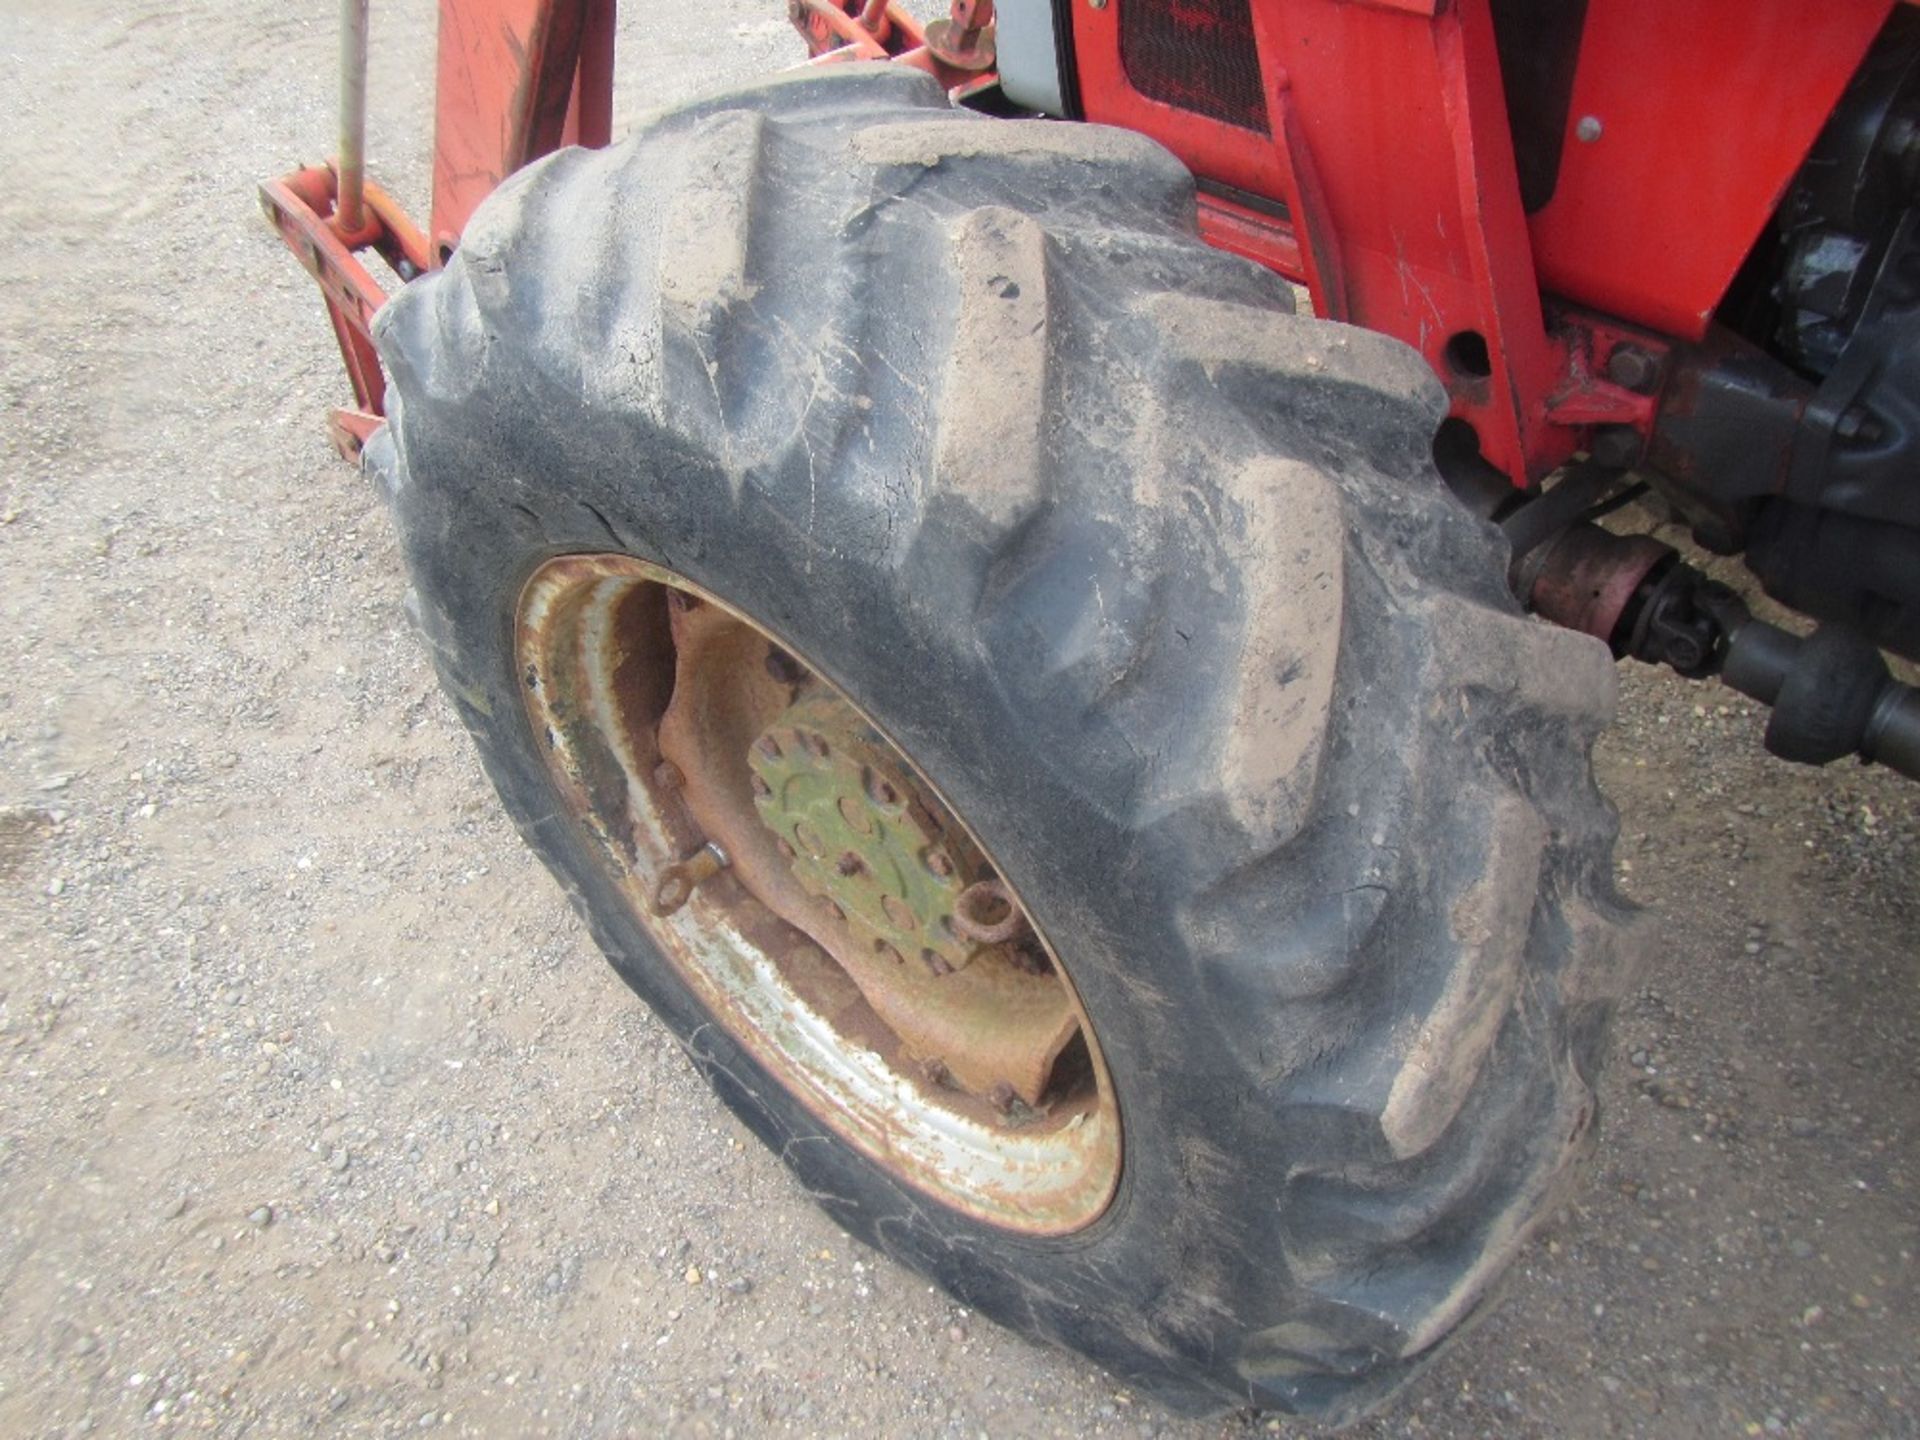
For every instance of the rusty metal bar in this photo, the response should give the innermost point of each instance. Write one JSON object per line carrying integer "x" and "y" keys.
{"x": 349, "y": 209}
{"x": 845, "y": 28}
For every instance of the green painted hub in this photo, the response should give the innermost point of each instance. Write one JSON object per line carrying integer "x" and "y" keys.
{"x": 860, "y": 833}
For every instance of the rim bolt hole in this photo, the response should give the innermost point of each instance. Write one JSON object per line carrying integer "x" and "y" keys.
{"x": 783, "y": 667}
{"x": 880, "y": 790}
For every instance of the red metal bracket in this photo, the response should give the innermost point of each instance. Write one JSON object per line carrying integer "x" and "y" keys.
{"x": 517, "y": 79}
{"x": 301, "y": 208}
{"x": 958, "y": 52}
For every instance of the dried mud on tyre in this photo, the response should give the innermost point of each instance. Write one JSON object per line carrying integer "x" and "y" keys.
{"x": 1155, "y": 584}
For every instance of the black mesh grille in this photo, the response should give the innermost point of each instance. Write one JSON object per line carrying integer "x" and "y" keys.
{"x": 1197, "y": 55}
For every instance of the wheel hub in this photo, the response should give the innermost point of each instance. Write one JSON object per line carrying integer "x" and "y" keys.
{"x": 860, "y": 835}
{"x": 817, "y": 893}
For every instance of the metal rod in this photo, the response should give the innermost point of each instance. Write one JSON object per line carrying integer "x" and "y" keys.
{"x": 349, "y": 205}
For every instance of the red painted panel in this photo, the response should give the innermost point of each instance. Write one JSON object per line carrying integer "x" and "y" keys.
{"x": 1705, "y": 109}
{"x": 1391, "y": 150}
{"x": 1391, "y": 144}
{"x": 517, "y": 78}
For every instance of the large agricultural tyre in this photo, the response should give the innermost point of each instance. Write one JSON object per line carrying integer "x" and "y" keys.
{"x": 1020, "y": 705}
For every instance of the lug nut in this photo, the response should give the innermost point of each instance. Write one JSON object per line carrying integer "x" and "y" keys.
{"x": 678, "y": 882}
{"x": 850, "y": 864}
{"x": 985, "y": 913}
{"x": 784, "y": 668}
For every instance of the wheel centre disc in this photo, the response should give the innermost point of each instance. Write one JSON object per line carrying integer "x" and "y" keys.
{"x": 818, "y": 894}
{"x": 860, "y": 834}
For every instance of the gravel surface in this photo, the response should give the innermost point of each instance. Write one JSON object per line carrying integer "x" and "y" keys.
{"x": 317, "y": 1110}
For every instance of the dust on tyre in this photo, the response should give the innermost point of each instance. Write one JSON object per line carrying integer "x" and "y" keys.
{"x": 1152, "y": 587}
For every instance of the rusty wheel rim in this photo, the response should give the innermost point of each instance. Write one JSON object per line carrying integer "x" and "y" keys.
{"x": 818, "y": 894}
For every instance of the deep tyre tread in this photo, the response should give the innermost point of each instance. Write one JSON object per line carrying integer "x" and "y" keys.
{"x": 1158, "y": 582}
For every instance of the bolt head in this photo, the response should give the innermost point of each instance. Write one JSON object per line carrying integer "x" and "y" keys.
{"x": 1616, "y": 445}
{"x": 1589, "y": 129}
{"x": 1632, "y": 368}
{"x": 1683, "y": 652}
{"x": 1858, "y": 423}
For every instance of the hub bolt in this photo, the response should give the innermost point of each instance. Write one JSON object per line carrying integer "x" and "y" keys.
{"x": 678, "y": 882}
{"x": 784, "y": 668}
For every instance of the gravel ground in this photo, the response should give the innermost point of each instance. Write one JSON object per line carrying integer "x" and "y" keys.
{"x": 320, "y": 1113}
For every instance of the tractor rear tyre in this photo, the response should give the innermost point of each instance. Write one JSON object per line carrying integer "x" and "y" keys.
{"x": 1022, "y": 708}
